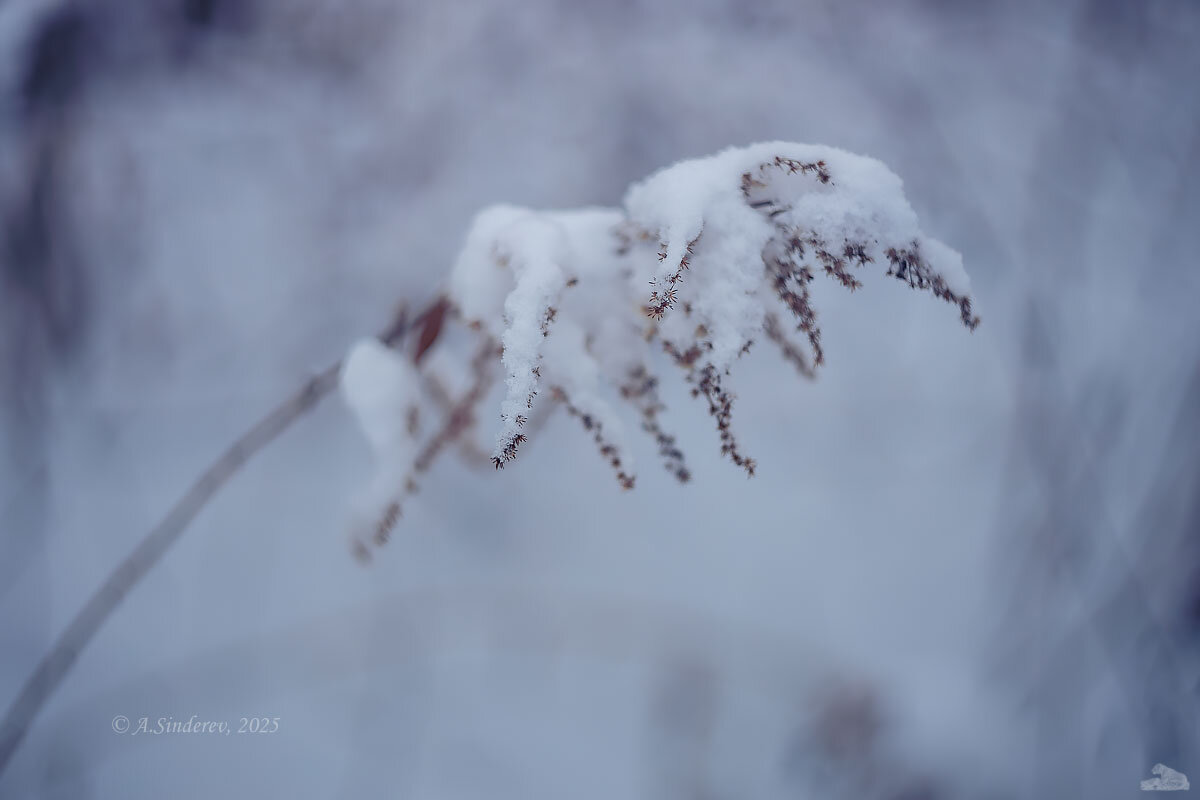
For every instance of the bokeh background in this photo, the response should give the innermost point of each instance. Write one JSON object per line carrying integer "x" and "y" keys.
{"x": 969, "y": 565}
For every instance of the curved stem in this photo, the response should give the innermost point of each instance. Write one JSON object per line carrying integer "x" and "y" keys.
{"x": 54, "y": 667}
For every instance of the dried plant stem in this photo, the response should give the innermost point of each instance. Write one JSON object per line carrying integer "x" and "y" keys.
{"x": 54, "y": 667}
{"x": 705, "y": 379}
{"x": 460, "y": 416}
{"x": 790, "y": 351}
{"x": 640, "y": 389}
{"x": 608, "y": 450}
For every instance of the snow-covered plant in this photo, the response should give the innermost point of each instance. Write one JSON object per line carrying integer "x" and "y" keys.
{"x": 583, "y": 308}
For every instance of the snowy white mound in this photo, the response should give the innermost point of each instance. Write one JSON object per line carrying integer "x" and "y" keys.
{"x": 699, "y": 264}
{"x": 719, "y": 241}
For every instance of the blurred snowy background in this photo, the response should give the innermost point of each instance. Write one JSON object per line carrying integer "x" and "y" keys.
{"x": 969, "y": 565}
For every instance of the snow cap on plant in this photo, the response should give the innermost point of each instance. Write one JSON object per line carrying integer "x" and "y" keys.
{"x": 720, "y": 242}
{"x": 705, "y": 258}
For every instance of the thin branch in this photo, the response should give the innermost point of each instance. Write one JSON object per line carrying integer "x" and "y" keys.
{"x": 460, "y": 416}
{"x": 54, "y": 667}
{"x": 790, "y": 351}
{"x": 641, "y": 389}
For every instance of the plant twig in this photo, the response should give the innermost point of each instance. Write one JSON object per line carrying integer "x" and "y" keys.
{"x": 55, "y": 666}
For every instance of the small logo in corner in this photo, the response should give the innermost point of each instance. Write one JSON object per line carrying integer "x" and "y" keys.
{"x": 1167, "y": 780}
